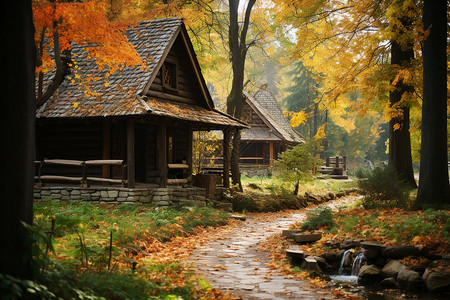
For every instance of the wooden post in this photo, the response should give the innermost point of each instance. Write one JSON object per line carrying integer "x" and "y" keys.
{"x": 130, "y": 154}
{"x": 344, "y": 162}
{"x": 189, "y": 149}
{"x": 162, "y": 141}
{"x": 106, "y": 169}
{"x": 327, "y": 161}
{"x": 226, "y": 157}
{"x": 271, "y": 154}
{"x": 337, "y": 161}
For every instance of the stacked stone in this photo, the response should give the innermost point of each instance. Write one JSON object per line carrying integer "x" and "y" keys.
{"x": 164, "y": 197}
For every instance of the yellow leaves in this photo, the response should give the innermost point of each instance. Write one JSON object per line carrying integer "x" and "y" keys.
{"x": 320, "y": 135}
{"x": 298, "y": 118}
{"x": 75, "y": 104}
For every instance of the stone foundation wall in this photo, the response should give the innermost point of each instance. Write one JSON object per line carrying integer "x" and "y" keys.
{"x": 172, "y": 196}
{"x": 251, "y": 171}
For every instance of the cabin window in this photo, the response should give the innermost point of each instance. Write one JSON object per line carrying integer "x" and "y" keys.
{"x": 169, "y": 75}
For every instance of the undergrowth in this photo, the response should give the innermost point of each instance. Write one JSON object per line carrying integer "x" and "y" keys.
{"x": 86, "y": 251}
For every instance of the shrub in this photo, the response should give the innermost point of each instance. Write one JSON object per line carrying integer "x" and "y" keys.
{"x": 384, "y": 187}
{"x": 319, "y": 217}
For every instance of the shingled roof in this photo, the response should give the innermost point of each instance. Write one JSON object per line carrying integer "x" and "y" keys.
{"x": 267, "y": 107}
{"x": 123, "y": 92}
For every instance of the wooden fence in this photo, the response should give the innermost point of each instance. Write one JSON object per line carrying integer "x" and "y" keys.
{"x": 84, "y": 165}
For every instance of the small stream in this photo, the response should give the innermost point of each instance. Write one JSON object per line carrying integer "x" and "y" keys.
{"x": 373, "y": 292}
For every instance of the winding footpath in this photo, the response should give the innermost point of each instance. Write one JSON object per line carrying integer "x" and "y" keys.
{"x": 233, "y": 263}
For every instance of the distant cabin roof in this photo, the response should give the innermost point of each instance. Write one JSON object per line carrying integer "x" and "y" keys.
{"x": 264, "y": 103}
{"x": 123, "y": 92}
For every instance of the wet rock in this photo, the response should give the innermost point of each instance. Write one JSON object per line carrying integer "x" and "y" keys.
{"x": 331, "y": 258}
{"x": 331, "y": 196}
{"x": 371, "y": 250}
{"x": 295, "y": 253}
{"x": 321, "y": 262}
{"x": 306, "y": 237}
{"x": 409, "y": 279}
{"x": 438, "y": 282}
{"x": 351, "y": 244}
{"x": 400, "y": 252}
{"x": 389, "y": 282}
{"x": 392, "y": 268}
{"x": 369, "y": 274}
{"x": 238, "y": 217}
{"x": 311, "y": 265}
{"x": 288, "y": 233}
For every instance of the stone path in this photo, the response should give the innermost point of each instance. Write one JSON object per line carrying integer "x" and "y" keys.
{"x": 233, "y": 263}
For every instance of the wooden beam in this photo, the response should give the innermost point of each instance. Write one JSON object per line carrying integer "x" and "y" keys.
{"x": 226, "y": 157}
{"x": 130, "y": 154}
{"x": 162, "y": 143}
{"x": 271, "y": 154}
{"x": 106, "y": 169}
{"x": 189, "y": 149}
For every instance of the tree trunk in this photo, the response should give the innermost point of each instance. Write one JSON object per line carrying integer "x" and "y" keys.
{"x": 433, "y": 182}
{"x": 399, "y": 140}
{"x": 236, "y": 99}
{"x": 18, "y": 115}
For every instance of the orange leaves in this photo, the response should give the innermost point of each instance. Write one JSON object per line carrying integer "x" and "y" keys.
{"x": 86, "y": 24}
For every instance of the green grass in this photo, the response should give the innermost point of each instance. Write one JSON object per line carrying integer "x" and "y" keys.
{"x": 80, "y": 254}
{"x": 268, "y": 184}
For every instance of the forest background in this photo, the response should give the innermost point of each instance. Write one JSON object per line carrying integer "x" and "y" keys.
{"x": 327, "y": 62}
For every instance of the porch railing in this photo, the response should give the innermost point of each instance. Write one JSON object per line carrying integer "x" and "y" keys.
{"x": 82, "y": 177}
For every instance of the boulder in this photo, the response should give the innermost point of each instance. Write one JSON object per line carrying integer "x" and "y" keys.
{"x": 310, "y": 264}
{"x": 369, "y": 274}
{"x": 409, "y": 279}
{"x": 371, "y": 250}
{"x": 306, "y": 237}
{"x": 389, "y": 282}
{"x": 438, "y": 282}
{"x": 289, "y": 232}
{"x": 400, "y": 252}
{"x": 351, "y": 244}
{"x": 296, "y": 253}
{"x": 321, "y": 262}
{"x": 391, "y": 269}
{"x": 331, "y": 258}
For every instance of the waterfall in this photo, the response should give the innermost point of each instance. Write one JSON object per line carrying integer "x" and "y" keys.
{"x": 344, "y": 256}
{"x": 357, "y": 264}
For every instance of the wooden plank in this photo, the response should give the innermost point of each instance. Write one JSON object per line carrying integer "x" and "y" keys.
{"x": 177, "y": 181}
{"x": 166, "y": 96}
{"x": 99, "y": 162}
{"x": 63, "y": 178}
{"x": 65, "y": 162}
{"x": 108, "y": 180}
{"x": 178, "y": 166}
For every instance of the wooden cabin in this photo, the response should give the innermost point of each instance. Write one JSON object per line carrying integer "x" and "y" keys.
{"x": 269, "y": 133}
{"x": 143, "y": 116}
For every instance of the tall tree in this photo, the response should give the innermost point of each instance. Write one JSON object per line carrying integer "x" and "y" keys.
{"x": 301, "y": 100}
{"x": 433, "y": 181}
{"x": 237, "y": 36}
{"x": 402, "y": 54}
{"x": 17, "y": 115}
{"x": 353, "y": 54}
